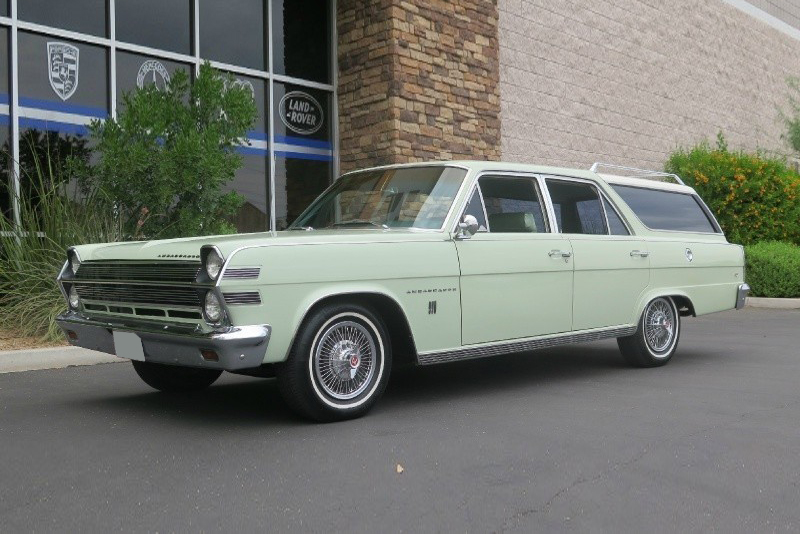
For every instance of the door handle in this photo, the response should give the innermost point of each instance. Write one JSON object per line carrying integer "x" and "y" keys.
{"x": 559, "y": 254}
{"x": 640, "y": 253}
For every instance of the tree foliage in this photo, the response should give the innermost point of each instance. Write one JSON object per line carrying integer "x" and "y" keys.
{"x": 167, "y": 156}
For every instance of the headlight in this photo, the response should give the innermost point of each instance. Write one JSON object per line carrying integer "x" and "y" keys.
{"x": 212, "y": 308}
{"x": 74, "y": 261}
{"x": 213, "y": 264}
{"x": 74, "y": 299}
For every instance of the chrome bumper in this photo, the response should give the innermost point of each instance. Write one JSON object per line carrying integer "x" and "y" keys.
{"x": 741, "y": 296}
{"x": 237, "y": 347}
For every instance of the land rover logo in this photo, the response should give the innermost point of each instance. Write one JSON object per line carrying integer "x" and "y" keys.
{"x": 301, "y": 112}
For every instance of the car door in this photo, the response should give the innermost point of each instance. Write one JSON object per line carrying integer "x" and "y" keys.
{"x": 516, "y": 275}
{"x": 612, "y": 267}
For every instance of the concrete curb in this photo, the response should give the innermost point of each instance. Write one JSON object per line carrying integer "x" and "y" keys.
{"x": 774, "y": 304}
{"x": 15, "y": 361}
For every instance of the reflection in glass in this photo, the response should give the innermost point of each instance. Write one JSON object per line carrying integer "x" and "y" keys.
{"x": 85, "y": 16}
{"x": 251, "y": 182}
{"x": 163, "y": 24}
{"x": 6, "y": 186}
{"x": 301, "y": 39}
{"x": 297, "y": 183}
{"x": 232, "y": 31}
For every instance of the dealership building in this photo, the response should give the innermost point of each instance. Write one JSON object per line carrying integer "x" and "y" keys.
{"x": 346, "y": 84}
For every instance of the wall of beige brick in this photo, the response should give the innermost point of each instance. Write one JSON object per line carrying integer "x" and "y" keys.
{"x": 627, "y": 81}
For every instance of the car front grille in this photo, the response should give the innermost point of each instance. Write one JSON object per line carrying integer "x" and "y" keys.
{"x": 139, "y": 293}
{"x": 139, "y": 271}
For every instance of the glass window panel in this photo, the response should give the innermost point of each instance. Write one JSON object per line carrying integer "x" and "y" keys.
{"x": 251, "y": 182}
{"x": 301, "y": 39}
{"x": 58, "y": 76}
{"x": 577, "y": 208}
{"x": 302, "y": 122}
{"x": 163, "y": 24}
{"x": 513, "y": 205}
{"x": 665, "y": 210}
{"x": 4, "y": 8}
{"x": 5, "y": 140}
{"x": 232, "y": 31}
{"x": 258, "y": 88}
{"x": 85, "y": 16}
{"x": 615, "y": 224}
{"x": 297, "y": 183}
{"x": 134, "y": 70}
{"x": 475, "y": 208}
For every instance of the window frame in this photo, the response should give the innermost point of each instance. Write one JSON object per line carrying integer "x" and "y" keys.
{"x": 600, "y": 195}
{"x": 700, "y": 202}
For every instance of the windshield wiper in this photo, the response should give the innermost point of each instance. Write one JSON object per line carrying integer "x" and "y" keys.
{"x": 358, "y": 222}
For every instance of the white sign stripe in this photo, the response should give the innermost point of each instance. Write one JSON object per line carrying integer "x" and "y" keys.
{"x": 57, "y": 116}
{"x": 4, "y": 109}
{"x": 284, "y": 147}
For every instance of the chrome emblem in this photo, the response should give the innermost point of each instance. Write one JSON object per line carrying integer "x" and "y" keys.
{"x": 154, "y": 72}
{"x": 62, "y": 59}
{"x": 689, "y": 255}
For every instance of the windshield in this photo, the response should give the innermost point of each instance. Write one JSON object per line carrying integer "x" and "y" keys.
{"x": 408, "y": 197}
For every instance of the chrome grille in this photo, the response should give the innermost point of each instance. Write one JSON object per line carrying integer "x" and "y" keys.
{"x": 156, "y": 271}
{"x": 139, "y": 293}
{"x": 242, "y": 297}
{"x": 242, "y": 273}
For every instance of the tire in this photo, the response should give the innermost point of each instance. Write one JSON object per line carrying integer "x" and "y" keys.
{"x": 654, "y": 342}
{"x": 174, "y": 379}
{"x": 339, "y": 365}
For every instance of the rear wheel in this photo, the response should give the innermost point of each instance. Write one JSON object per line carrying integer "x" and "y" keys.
{"x": 339, "y": 365}
{"x": 174, "y": 379}
{"x": 656, "y": 338}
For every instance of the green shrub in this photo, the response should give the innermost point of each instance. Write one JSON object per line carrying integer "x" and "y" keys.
{"x": 773, "y": 269}
{"x": 31, "y": 255}
{"x": 754, "y": 197}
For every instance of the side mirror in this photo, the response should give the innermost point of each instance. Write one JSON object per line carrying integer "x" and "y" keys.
{"x": 467, "y": 227}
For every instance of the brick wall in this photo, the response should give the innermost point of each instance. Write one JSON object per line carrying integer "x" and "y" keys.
{"x": 627, "y": 81}
{"x": 417, "y": 81}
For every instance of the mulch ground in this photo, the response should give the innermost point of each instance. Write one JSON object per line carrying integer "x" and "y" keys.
{"x": 10, "y": 341}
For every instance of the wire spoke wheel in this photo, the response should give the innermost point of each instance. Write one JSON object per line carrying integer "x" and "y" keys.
{"x": 345, "y": 359}
{"x": 659, "y": 325}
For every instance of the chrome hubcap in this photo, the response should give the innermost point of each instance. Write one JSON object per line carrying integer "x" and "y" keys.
{"x": 344, "y": 360}
{"x": 659, "y": 325}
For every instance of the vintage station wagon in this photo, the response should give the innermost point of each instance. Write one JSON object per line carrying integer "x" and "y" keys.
{"x": 434, "y": 262}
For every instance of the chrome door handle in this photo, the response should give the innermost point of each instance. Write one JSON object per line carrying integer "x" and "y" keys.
{"x": 559, "y": 253}
{"x": 640, "y": 253}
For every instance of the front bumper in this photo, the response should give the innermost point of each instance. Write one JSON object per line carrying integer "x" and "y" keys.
{"x": 237, "y": 347}
{"x": 741, "y": 296}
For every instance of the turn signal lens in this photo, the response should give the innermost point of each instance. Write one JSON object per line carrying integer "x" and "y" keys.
{"x": 212, "y": 308}
{"x": 74, "y": 299}
{"x": 213, "y": 264}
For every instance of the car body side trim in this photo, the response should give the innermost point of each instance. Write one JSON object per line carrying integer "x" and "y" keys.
{"x": 510, "y": 347}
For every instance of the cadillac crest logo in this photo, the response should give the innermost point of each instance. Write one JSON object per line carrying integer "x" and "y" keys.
{"x": 62, "y": 59}
{"x": 301, "y": 112}
{"x": 152, "y": 71}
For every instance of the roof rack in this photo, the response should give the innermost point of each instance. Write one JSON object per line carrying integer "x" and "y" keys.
{"x": 639, "y": 173}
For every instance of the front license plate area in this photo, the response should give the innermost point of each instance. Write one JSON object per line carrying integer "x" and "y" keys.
{"x": 128, "y": 345}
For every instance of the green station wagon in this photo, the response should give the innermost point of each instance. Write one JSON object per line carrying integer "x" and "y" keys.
{"x": 433, "y": 262}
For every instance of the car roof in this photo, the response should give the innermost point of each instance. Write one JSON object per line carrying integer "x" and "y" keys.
{"x": 500, "y": 166}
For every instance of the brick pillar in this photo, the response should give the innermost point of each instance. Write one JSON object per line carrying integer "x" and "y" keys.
{"x": 417, "y": 81}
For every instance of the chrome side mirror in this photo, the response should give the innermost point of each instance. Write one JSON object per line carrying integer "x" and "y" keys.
{"x": 467, "y": 227}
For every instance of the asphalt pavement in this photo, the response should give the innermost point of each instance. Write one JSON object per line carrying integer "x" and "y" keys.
{"x": 567, "y": 439}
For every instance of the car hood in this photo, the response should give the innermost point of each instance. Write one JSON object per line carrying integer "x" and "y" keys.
{"x": 189, "y": 248}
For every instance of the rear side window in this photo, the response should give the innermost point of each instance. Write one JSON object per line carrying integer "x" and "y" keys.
{"x": 666, "y": 210}
{"x": 577, "y": 208}
{"x": 615, "y": 224}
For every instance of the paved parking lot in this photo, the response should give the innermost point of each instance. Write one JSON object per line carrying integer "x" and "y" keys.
{"x": 556, "y": 440}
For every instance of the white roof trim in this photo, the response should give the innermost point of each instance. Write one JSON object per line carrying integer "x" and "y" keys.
{"x": 649, "y": 184}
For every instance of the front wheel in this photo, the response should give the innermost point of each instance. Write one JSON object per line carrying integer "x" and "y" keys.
{"x": 656, "y": 338}
{"x": 339, "y": 365}
{"x": 175, "y": 379}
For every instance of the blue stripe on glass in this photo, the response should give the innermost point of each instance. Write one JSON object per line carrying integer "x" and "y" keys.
{"x": 54, "y": 126}
{"x": 257, "y": 136}
{"x": 299, "y": 141}
{"x": 5, "y": 120}
{"x": 251, "y": 151}
{"x": 62, "y": 107}
{"x": 4, "y": 98}
{"x": 303, "y": 155}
